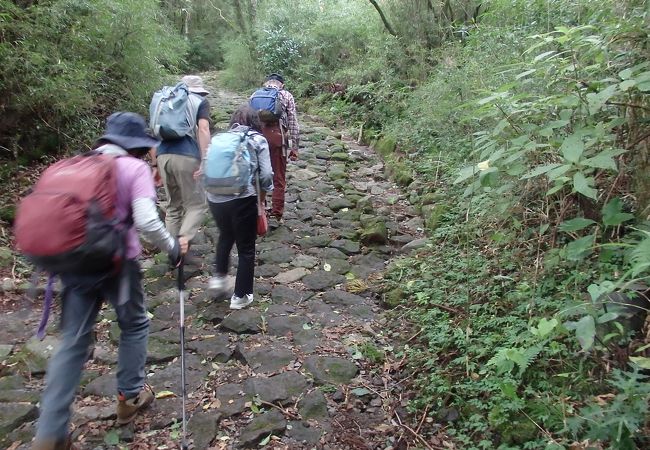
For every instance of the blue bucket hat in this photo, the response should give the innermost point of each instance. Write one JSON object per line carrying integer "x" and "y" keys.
{"x": 128, "y": 130}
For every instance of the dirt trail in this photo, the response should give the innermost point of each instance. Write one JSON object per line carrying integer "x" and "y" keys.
{"x": 309, "y": 365}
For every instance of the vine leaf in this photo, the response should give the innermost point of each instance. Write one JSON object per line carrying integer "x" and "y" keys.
{"x": 604, "y": 160}
{"x": 641, "y": 361}
{"x": 585, "y": 330}
{"x": 613, "y": 214}
{"x": 583, "y": 185}
{"x": 572, "y": 148}
{"x": 544, "y": 327}
{"x": 540, "y": 170}
{"x": 580, "y": 248}
{"x": 597, "y": 101}
{"x": 577, "y": 224}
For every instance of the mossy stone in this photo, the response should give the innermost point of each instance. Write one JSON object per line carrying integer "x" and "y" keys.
{"x": 393, "y": 298}
{"x": 354, "y": 198}
{"x": 156, "y": 271}
{"x": 432, "y": 215}
{"x": 403, "y": 177}
{"x": 518, "y": 432}
{"x": 398, "y": 171}
{"x": 342, "y": 184}
{"x": 364, "y": 204}
{"x": 428, "y": 199}
{"x": 340, "y": 156}
{"x": 386, "y": 145}
{"x": 337, "y": 173}
{"x": 374, "y": 233}
{"x": 8, "y": 213}
{"x": 161, "y": 258}
{"x": 6, "y": 257}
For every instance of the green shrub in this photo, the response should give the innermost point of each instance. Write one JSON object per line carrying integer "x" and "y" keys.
{"x": 205, "y": 52}
{"x": 242, "y": 71}
{"x": 67, "y": 64}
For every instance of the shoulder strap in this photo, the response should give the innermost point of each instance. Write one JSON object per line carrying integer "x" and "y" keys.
{"x": 193, "y": 103}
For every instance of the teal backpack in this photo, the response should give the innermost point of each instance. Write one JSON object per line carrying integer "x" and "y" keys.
{"x": 172, "y": 112}
{"x": 227, "y": 169}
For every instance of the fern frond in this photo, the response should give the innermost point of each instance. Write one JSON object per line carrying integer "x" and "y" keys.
{"x": 640, "y": 255}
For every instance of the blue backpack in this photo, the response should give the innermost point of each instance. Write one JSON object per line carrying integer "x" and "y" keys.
{"x": 172, "y": 112}
{"x": 228, "y": 166}
{"x": 267, "y": 102}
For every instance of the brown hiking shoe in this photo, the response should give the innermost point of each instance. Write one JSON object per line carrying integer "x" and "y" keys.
{"x": 128, "y": 408}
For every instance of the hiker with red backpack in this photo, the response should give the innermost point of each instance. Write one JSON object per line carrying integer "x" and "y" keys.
{"x": 277, "y": 110}
{"x": 110, "y": 193}
{"x": 237, "y": 176}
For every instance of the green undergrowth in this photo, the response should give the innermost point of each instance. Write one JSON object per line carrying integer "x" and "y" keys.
{"x": 493, "y": 359}
{"x": 519, "y": 146}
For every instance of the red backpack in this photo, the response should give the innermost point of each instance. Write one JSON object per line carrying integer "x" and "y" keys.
{"x": 67, "y": 224}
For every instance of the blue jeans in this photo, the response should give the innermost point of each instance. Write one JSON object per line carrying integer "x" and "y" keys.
{"x": 82, "y": 300}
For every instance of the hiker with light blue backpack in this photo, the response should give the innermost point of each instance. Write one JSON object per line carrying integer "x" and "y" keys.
{"x": 237, "y": 175}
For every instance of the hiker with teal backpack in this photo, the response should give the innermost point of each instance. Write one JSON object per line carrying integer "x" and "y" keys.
{"x": 277, "y": 110}
{"x": 237, "y": 176}
{"x": 180, "y": 117}
{"x": 82, "y": 222}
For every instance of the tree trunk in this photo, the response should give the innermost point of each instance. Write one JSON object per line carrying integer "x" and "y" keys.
{"x": 239, "y": 16}
{"x": 245, "y": 28}
{"x": 383, "y": 18}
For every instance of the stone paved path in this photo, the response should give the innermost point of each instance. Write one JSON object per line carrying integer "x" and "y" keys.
{"x": 307, "y": 366}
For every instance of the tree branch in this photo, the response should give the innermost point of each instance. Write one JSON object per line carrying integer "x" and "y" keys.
{"x": 383, "y": 18}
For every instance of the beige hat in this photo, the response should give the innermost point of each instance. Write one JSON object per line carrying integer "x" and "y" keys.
{"x": 195, "y": 84}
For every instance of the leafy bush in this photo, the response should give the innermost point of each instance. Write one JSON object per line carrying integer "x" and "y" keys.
{"x": 69, "y": 63}
{"x": 242, "y": 70}
{"x": 278, "y": 52}
{"x": 514, "y": 337}
{"x": 205, "y": 52}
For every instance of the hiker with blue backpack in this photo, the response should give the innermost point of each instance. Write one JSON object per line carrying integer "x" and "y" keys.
{"x": 237, "y": 176}
{"x": 180, "y": 117}
{"x": 277, "y": 110}
{"x": 82, "y": 222}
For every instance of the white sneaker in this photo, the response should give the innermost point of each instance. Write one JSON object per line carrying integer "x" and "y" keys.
{"x": 240, "y": 302}
{"x": 217, "y": 285}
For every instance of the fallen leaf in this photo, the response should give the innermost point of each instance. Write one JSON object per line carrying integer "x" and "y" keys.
{"x": 165, "y": 394}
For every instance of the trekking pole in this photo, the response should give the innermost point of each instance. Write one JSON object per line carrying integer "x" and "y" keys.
{"x": 181, "y": 294}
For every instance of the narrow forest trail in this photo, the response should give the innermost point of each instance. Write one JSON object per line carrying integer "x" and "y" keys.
{"x": 309, "y": 365}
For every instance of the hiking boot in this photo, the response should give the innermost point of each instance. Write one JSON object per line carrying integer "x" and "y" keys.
{"x": 216, "y": 285}
{"x": 275, "y": 222}
{"x": 64, "y": 444}
{"x": 241, "y": 302}
{"x": 128, "y": 408}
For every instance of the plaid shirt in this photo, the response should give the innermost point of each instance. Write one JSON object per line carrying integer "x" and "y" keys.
{"x": 290, "y": 118}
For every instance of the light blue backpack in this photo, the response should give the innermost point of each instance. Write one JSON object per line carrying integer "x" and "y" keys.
{"x": 228, "y": 166}
{"x": 172, "y": 112}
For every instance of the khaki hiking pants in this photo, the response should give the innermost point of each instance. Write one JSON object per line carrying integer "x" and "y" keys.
{"x": 186, "y": 206}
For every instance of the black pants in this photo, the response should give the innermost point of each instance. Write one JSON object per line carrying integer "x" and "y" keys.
{"x": 237, "y": 222}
